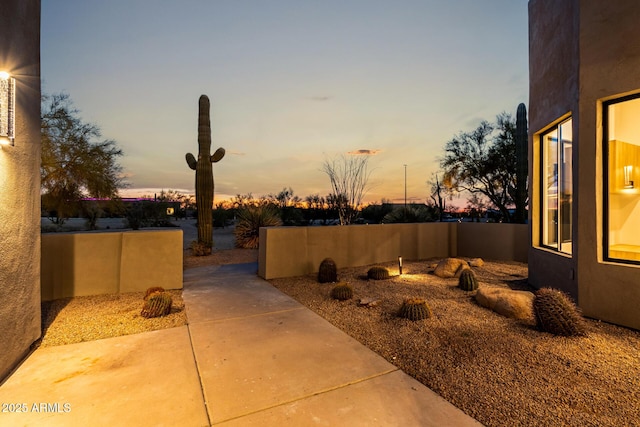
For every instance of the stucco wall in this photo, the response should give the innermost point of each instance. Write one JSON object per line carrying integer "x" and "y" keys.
{"x": 79, "y": 264}
{"x": 609, "y": 67}
{"x": 493, "y": 241}
{"x": 553, "y": 95}
{"x": 598, "y": 57}
{"x": 20, "y": 186}
{"x": 296, "y": 251}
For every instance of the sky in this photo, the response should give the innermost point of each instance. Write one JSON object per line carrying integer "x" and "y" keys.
{"x": 292, "y": 84}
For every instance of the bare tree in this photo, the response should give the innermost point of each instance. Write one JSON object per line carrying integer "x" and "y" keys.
{"x": 349, "y": 176}
{"x": 439, "y": 193}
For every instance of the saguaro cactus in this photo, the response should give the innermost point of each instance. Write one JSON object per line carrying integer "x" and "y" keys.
{"x": 204, "y": 173}
{"x": 522, "y": 165}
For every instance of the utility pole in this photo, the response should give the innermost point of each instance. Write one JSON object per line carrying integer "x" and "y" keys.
{"x": 405, "y": 188}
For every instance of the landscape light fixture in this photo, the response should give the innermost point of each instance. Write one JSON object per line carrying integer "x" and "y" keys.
{"x": 400, "y": 264}
{"x": 628, "y": 176}
{"x": 7, "y": 108}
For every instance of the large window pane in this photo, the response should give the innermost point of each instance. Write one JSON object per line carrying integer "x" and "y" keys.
{"x": 566, "y": 184}
{"x": 550, "y": 189}
{"x": 557, "y": 187}
{"x": 622, "y": 137}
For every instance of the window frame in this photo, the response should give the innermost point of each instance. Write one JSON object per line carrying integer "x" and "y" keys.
{"x": 554, "y": 127}
{"x": 605, "y": 178}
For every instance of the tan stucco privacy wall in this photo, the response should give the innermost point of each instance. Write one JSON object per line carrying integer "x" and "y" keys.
{"x": 296, "y": 251}
{"x": 80, "y": 264}
{"x": 20, "y": 186}
{"x": 581, "y": 53}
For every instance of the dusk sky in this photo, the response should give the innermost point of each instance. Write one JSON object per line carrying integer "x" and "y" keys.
{"x": 291, "y": 83}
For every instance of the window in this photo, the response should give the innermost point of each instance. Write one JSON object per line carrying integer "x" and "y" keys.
{"x": 557, "y": 186}
{"x": 622, "y": 184}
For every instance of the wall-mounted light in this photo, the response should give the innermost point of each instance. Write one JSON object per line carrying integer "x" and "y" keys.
{"x": 628, "y": 176}
{"x": 400, "y": 265}
{"x": 7, "y": 108}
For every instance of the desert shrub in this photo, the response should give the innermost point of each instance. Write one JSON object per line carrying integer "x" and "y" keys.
{"x": 556, "y": 313}
{"x": 415, "y": 309}
{"x": 342, "y": 292}
{"x": 409, "y": 214}
{"x": 328, "y": 272}
{"x": 250, "y": 219}
{"x": 157, "y": 304}
{"x": 468, "y": 280}
{"x": 134, "y": 216}
{"x": 152, "y": 290}
{"x": 200, "y": 248}
{"x": 221, "y": 217}
{"x": 92, "y": 212}
{"x": 378, "y": 273}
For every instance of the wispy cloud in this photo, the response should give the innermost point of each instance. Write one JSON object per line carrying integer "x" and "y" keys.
{"x": 366, "y": 152}
{"x": 236, "y": 153}
{"x": 319, "y": 98}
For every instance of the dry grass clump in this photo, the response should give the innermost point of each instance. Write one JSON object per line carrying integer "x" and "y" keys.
{"x": 78, "y": 319}
{"x": 501, "y": 371}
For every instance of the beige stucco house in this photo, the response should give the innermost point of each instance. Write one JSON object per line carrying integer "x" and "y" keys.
{"x": 584, "y": 151}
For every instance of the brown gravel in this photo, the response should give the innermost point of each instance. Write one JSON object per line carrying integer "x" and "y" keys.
{"x": 500, "y": 371}
{"x": 78, "y": 319}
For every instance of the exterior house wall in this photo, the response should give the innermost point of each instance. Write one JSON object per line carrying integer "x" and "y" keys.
{"x": 606, "y": 65}
{"x": 609, "y": 68}
{"x": 20, "y": 186}
{"x": 553, "y": 95}
{"x": 297, "y": 251}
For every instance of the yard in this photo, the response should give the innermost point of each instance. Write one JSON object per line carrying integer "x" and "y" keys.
{"x": 501, "y": 371}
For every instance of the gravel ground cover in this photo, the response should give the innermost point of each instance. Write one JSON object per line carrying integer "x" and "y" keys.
{"x": 88, "y": 318}
{"x": 503, "y": 372}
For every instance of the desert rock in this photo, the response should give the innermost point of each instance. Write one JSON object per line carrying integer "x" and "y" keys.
{"x": 509, "y": 303}
{"x": 448, "y": 267}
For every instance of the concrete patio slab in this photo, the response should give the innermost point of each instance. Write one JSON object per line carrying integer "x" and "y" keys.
{"x": 142, "y": 379}
{"x": 254, "y": 363}
{"x": 250, "y": 355}
{"x": 229, "y": 292}
{"x": 392, "y": 399}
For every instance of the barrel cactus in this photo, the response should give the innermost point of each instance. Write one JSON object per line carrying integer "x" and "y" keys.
{"x": 157, "y": 304}
{"x": 415, "y": 309}
{"x": 342, "y": 292}
{"x": 468, "y": 280}
{"x": 204, "y": 173}
{"x": 152, "y": 290}
{"x": 556, "y": 313}
{"x": 378, "y": 273}
{"x": 328, "y": 272}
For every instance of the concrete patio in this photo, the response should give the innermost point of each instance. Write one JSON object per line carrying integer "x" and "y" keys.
{"x": 250, "y": 355}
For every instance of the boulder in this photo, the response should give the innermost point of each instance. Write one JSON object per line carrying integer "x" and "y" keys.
{"x": 476, "y": 262}
{"x": 448, "y": 267}
{"x": 507, "y": 302}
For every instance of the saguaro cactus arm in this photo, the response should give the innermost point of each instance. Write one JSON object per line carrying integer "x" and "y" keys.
{"x": 217, "y": 156}
{"x": 191, "y": 161}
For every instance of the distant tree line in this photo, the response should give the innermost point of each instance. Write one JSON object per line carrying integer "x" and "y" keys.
{"x": 81, "y": 176}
